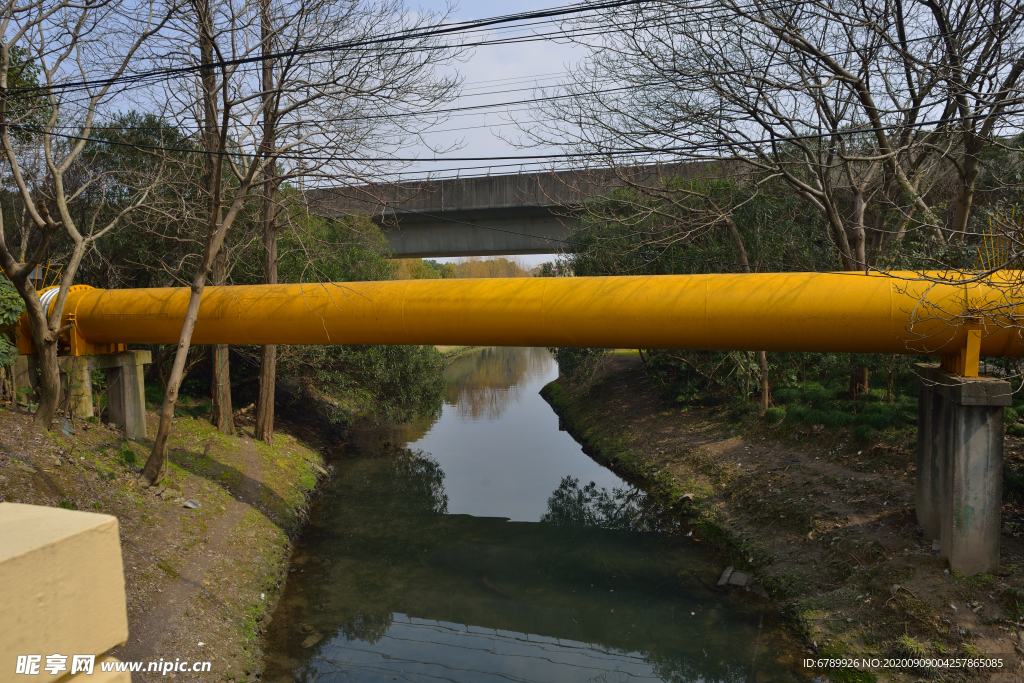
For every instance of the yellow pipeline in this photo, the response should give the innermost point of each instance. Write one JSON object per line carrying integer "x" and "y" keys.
{"x": 773, "y": 312}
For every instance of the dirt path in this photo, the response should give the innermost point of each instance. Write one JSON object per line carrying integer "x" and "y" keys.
{"x": 161, "y": 624}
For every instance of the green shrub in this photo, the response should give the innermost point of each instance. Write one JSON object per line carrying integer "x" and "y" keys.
{"x": 11, "y": 307}
{"x": 835, "y": 419}
{"x": 1013, "y": 483}
{"x": 128, "y": 457}
{"x": 908, "y": 647}
{"x": 851, "y": 676}
{"x": 66, "y": 504}
{"x": 864, "y": 432}
{"x": 774, "y": 415}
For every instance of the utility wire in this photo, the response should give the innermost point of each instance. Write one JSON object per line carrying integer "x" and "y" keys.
{"x": 561, "y": 155}
{"x": 692, "y": 13}
{"x": 442, "y": 29}
{"x": 570, "y": 95}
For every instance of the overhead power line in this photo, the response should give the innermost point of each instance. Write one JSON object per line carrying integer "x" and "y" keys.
{"x": 414, "y": 34}
{"x": 610, "y": 153}
{"x": 570, "y": 95}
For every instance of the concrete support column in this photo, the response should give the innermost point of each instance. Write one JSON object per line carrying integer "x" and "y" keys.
{"x": 929, "y": 463}
{"x": 960, "y": 465}
{"x": 76, "y": 385}
{"x": 126, "y": 394}
{"x": 26, "y": 379}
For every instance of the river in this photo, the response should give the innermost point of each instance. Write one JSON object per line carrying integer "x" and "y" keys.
{"x": 484, "y": 545}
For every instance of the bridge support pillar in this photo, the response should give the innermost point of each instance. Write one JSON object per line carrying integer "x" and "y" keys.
{"x": 126, "y": 392}
{"x": 26, "y": 379}
{"x": 960, "y": 465}
{"x": 75, "y": 385}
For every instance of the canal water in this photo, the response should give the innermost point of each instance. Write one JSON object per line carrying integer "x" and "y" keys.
{"x": 483, "y": 545}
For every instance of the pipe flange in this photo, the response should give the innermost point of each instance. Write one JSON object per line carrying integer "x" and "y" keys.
{"x": 49, "y": 295}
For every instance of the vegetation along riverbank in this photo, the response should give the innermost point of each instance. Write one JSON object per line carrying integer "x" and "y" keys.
{"x": 205, "y": 553}
{"x": 821, "y": 519}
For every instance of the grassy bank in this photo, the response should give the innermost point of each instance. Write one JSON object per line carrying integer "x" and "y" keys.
{"x": 200, "y": 582}
{"x": 821, "y": 516}
{"x": 452, "y": 352}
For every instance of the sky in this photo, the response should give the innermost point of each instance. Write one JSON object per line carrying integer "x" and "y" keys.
{"x": 518, "y": 67}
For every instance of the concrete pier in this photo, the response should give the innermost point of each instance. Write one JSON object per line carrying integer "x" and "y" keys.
{"x": 75, "y": 385}
{"x": 126, "y": 391}
{"x": 960, "y": 465}
{"x": 126, "y": 395}
{"x": 62, "y": 591}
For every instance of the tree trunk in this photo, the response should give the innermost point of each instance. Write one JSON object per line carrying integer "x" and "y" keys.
{"x": 268, "y": 354}
{"x": 858, "y": 380}
{"x": 153, "y": 471}
{"x": 766, "y": 395}
{"x": 859, "y": 233}
{"x": 46, "y": 347}
{"x": 264, "y": 430}
{"x": 220, "y": 372}
{"x": 965, "y": 198}
{"x": 762, "y": 357}
{"x": 155, "y": 466}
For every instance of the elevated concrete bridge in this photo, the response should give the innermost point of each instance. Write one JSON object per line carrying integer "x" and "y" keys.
{"x": 505, "y": 214}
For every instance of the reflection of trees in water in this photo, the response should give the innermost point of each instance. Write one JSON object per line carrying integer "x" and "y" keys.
{"x": 380, "y": 542}
{"x": 380, "y": 519}
{"x": 599, "y": 540}
{"x": 393, "y": 518}
{"x": 481, "y": 384}
{"x": 625, "y": 509}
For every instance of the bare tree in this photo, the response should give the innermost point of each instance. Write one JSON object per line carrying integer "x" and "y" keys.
{"x": 72, "y": 49}
{"x": 861, "y": 107}
{"x": 296, "y": 116}
{"x": 359, "y": 92}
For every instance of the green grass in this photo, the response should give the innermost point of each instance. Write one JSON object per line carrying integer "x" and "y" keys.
{"x": 908, "y": 647}
{"x": 128, "y": 457}
{"x": 832, "y": 408}
{"x": 851, "y": 676}
{"x": 190, "y": 407}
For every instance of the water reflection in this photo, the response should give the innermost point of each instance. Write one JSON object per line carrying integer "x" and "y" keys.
{"x": 390, "y": 585}
{"x": 598, "y": 585}
{"x": 504, "y": 466}
{"x": 483, "y": 382}
{"x": 623, "y": 508}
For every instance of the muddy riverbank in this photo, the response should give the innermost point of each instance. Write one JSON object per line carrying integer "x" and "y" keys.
{"x": 824, "y": 525}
